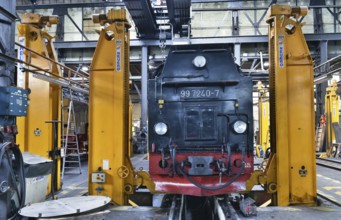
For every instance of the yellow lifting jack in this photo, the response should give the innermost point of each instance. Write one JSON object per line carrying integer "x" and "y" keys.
{"x": 332, "y": 118}
{"x": 290, "y": 173}
{"x": 35, "y": 135}
{"x": 110, "y": 170}
{"x": 263, "y": 121}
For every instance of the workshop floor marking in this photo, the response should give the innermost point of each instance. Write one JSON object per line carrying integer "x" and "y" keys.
{"x": 327, "y": 195}
{"x": 331, "y": 187}
{"x": 338, "y": 193}
{"x": 327, "y": 178}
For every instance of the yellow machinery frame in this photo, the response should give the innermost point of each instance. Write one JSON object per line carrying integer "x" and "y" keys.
{"x": 109, "y": 114}
{"x": 290, "y": 174}
{"x": 130, "y": 132}
{"x": 332, "y": 115}
{"x": 263, "y": 120}
{"x": 35, "y": 135}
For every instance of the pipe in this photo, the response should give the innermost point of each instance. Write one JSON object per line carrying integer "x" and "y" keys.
{"x": 62, "y": 83}
{"x": 144, "y": 84}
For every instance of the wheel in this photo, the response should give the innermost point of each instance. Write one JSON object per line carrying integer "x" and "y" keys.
{"x": 123, "y": 172}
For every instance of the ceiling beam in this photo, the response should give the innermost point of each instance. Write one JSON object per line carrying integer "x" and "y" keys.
{"x": 196, "y": 41}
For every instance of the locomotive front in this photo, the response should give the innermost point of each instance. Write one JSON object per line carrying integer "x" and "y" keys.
{"x": 200, "y": 125}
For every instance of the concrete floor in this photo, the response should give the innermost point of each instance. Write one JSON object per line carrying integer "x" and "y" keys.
{"x": 329, "y": 185}
{"x": 294, "y": 212}
{"x": 75, "y": 184}
{"x": 267, "y": 213}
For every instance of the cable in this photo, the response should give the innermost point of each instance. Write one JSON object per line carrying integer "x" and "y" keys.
{"x": 241, "y": 170}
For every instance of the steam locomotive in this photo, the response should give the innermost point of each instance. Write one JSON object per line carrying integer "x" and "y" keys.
{"x": 200, "y": 124}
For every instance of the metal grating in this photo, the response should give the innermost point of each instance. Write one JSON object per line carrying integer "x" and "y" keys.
{"x": 143, "y": 16}
{"x": 179, "y": 15}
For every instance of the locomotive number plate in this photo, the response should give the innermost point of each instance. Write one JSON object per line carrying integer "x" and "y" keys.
{"x": 199, "y": 93}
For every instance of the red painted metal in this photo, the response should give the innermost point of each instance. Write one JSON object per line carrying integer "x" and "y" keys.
{"x": 165, "y": 181}
{"x": 180, "y": 185}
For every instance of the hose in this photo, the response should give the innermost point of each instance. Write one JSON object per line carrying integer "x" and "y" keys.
{"x": 4, "y": 149}
{"x": 241, "y": 170}
{"x": 22, "y": 179}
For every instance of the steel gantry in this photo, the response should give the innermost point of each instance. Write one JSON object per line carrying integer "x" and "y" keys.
{"x": 290, "y": 174}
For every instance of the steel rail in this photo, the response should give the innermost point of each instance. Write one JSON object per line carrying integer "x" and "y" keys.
{"x": 335, "y": 165}
{"x": 335, "y": 202}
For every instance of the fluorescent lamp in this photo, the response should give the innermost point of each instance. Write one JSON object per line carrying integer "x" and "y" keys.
{"x": 135, "y": 78}
{"x": 181, "y": 41}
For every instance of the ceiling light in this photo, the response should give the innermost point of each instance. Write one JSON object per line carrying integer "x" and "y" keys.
{"x": 85, "y": 68}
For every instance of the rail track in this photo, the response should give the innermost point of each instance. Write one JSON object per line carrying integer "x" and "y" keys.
{"x": 331, "y": 200}
{"x": 331, "y": 164}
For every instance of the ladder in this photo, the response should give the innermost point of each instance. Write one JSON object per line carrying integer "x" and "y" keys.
{"x": 71, "y": 158}
{"x": 319, "y": 137}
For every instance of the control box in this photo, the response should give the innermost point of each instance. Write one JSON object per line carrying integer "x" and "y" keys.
{"x": 98, "y": 177}
{"x": 13, "y": 101}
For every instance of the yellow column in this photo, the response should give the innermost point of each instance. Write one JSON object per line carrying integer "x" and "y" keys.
{"x": 130, "y": 133}
{"x": 109, "y": 109}
{"x": 35, "y": 136}
{"x": 332, "y": 114}
{"x": 263, "y": 120}
{"x": 291, "y": 107}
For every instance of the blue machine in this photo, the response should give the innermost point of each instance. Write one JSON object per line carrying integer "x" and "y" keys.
{"x": 13, "y": 101}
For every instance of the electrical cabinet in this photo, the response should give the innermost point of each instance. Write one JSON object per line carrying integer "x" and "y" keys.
{"x": 13, "y": 101}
